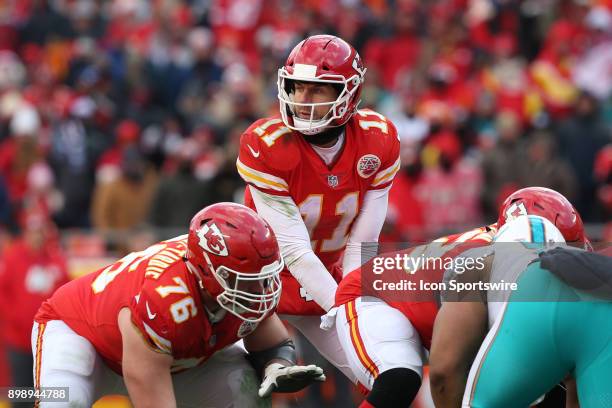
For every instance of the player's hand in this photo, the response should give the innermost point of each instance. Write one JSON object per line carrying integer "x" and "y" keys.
{"x": 280, "y": 378}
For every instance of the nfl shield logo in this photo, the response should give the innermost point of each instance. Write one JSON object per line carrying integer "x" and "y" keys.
{"x": 332, "y": 181}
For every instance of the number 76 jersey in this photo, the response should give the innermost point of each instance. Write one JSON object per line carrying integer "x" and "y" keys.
{"x": 278, "y": 161}
{"x": 164, "y": 300}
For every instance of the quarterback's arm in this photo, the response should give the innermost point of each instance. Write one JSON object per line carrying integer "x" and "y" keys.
{"x": 366, "y": 229}
{"x": 294, "y": 242}
{"x": 146, "y": 372}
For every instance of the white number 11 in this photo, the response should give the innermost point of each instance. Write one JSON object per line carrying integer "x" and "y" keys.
{"x": 346, "y": 208}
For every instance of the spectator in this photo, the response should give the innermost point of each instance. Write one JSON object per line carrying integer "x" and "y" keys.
{"x": 31, "y": 268}
{"x": 77, "y": 144}
{"x": 6, "y": 211}
{"x": 41, "y": 193}
{"x": 552, "y": 71}
{"x": 592, "y": 71}
{"x": 405, "y": 220}
{"x": 545, "y": 168}
{"x": 123, "y": 204}
{"x": 449, "y": 187}
{"x": 580, "y": 138}
{"x": 127, "y": 134}
{"x": 21, "y": 151}
{"x": 45, "y": 23}
{"x": 180, "y": 194}
{"x": 603, "y": 177}
{"x": 398, "y": 52}
{"x": 501, "y": 164}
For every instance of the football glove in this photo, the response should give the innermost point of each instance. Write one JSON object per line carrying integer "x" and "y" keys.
{"x": 283, "y": 379}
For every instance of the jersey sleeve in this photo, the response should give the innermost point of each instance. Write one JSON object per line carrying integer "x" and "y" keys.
{"x": 168, "y": 313}
{"x": 260, "y": 159}
{"x": 151, "y": 320}
{"x": 390, "y": 161}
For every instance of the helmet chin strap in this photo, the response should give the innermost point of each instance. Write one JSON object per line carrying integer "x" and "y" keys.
{"x": 325, "y": 137}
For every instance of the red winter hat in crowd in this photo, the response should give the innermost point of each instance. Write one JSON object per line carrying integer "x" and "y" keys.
{"x": 128, "y": 131}
{"x": 447, "y": 144}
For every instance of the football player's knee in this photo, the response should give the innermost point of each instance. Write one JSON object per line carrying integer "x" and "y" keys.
{"x": 395, "y": 388}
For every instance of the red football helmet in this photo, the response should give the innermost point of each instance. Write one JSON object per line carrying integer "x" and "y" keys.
{"x": 321, "y": 58}
{"x": 546, "y": 203}
{"x": 235, "y": 256}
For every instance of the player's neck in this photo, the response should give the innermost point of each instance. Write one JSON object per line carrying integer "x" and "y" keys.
{"x": 327, "y": 138}
{"x": 329, "y": 144}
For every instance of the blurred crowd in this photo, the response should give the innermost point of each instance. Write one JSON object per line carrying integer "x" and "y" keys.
{"x": 119, "y": 114}
{"x": 122, "y": 114}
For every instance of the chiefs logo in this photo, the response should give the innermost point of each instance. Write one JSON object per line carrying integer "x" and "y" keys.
{"x": 367, "y": 165}
{"x": 211, "y": 240}
{"x": 515, "y": 210}
{"x": 246, "y": 328}
{"x": 358, "y": 65}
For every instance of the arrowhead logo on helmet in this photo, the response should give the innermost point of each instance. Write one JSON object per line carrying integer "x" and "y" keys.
{"x": 515, "y": 210}
{"x": 211, "y": 240}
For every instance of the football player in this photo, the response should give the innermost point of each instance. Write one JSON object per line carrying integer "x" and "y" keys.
{"x": 320, "y": 174}
{"x": 386, "y": 354}
{"x": 160, "y": 324}
{"x": 521, "y": 342}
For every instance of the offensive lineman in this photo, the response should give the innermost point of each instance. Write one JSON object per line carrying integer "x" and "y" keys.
{"x": 161, "y": 324}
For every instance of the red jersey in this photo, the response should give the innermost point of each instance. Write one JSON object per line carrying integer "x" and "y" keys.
{"x": 421, "y": 309}
{"x": 27, "y": 278}
{"x": 276, "y": 160}
{"x": 163, "y": 297}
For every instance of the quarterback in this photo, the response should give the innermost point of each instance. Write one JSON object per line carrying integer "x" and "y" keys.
{"x": 319, "y": 173}
{"x": 160, "y": 324}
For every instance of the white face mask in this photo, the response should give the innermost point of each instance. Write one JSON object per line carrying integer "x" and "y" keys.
{"x": 337, "y": 108}
{"x": 250, "y": 296}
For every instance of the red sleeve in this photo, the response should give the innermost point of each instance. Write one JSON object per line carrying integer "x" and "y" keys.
{"x": 390, "y": 161}
{"x": 151, "y": 319}
{"x": 167, "y": 314}
{"x": 262, "y": 159}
